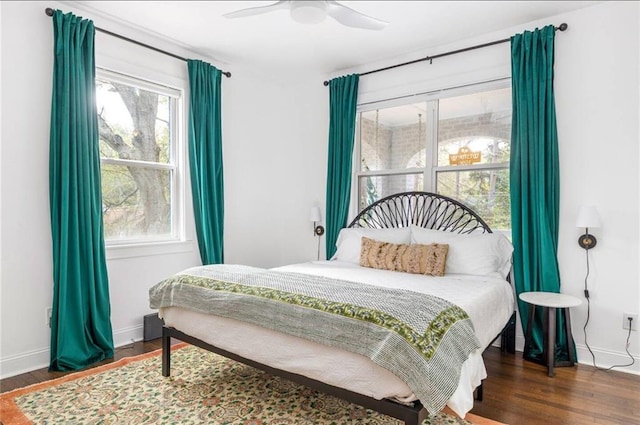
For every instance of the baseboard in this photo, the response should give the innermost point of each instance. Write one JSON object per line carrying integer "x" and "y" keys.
{"x": 38, "y": 359}
{"x": 519, "y": 343}
{"x": 606, "y": 359}
{"x": 24, "y": 362}
{"x": 127, "y": 336}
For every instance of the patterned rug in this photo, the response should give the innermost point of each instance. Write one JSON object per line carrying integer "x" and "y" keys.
{"x": 204, "y": 389}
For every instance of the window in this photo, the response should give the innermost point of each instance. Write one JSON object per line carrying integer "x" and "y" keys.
{"x": 138, "y": 124}
{"x": 456, "y": 144}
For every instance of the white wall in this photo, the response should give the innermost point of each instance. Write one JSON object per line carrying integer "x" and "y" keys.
{"x": 274, "y": 137}
{"x": 275, "y": 168}
{"x": 598, "y": 114}
{"x": 597, "y": 101}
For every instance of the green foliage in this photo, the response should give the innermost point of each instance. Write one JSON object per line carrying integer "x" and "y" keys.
{"x": 120, "y": 201}
{"x": 371, "y": 192}
{"x": 134, "y": 125}
{"x": 484, "y": 191}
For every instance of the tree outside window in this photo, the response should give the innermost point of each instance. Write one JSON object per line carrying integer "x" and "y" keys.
{"x": 137, "y": 145}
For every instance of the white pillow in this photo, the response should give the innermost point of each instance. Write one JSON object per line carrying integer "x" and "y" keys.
{"x": 475, "y": 253}
{"x": 349, "y": 241}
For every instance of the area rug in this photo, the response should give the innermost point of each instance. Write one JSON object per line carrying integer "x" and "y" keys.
{"x": 204, "y": 388}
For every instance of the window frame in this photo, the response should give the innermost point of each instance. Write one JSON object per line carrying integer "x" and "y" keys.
{"x": 176, "y": 241}
{"x": 431, "y": 169}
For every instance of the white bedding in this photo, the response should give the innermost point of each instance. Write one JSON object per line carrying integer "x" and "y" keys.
{"x": 488, "y": 301}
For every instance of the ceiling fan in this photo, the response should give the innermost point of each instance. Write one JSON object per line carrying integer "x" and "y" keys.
{"x": 313, "y": 12}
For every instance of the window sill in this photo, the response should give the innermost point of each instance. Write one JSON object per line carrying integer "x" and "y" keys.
{"x": 115, "y": 252}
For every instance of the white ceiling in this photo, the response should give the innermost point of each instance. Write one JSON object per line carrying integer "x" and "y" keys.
{"x": 274, "y": 42}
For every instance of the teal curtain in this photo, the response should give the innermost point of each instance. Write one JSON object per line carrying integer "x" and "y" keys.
{"x": 535, "y": 176}
{"x": 343, "y": 94}
{"x": 205, "y": 159}
{"x": 80, "y": 323}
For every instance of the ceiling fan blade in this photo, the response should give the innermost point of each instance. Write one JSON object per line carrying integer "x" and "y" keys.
{"x": 283, "y": 4}
{"x": 352, "y": 18}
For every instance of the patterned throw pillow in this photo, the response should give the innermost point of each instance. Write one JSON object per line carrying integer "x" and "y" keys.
{"x": 419, "y": 259}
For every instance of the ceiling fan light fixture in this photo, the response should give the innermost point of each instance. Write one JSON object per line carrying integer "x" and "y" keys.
{"x": 313, "y": 12}
{"x": 308, "y": 12}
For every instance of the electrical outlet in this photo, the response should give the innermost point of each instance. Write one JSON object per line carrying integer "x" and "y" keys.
{"x": 634, "y": 322}
{"x": 48, "y": 316}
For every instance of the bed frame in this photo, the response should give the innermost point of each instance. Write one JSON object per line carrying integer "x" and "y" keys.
{"x": 425, "y": 209}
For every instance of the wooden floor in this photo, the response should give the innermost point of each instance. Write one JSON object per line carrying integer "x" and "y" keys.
{"x": 516, "y": 392}
{"x": 520, "y": 392}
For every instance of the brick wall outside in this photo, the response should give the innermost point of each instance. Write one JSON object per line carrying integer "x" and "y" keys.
{"x": 398, "y": 147}
{"x": 474, "y": 126}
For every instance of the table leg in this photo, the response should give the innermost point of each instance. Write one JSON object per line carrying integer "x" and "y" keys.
{"x": 529, "y": 332}
{"x": 551, "y": 342}
{"x": 568, "y": 335}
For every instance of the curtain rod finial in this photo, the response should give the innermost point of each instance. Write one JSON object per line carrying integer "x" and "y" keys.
{"x": 49, "y": 11}
{"x": 563, "y": 27}
{"x": 326, "y": 83}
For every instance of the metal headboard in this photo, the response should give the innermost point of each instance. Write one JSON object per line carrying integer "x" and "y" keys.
{"x": 424, "y": 209}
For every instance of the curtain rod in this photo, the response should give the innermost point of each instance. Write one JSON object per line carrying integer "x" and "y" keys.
{"x": 49, "y": 11}
{"x": 562, "y": 27}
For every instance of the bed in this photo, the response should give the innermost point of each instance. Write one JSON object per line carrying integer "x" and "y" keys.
{"x": 347, "y": 353}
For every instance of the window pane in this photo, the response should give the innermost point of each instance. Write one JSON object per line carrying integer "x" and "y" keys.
{"x": 134, "y": 123}
{"x": 135, "y": 202}
{"x": 475, "y": 129}
{"x": 484, "y": 191}
{"x": 372, "y": 188}
{"x": 393, "y": 138}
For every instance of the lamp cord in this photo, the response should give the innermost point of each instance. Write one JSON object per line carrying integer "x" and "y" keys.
{"x": 586, "y": 279}
{"x": 593, "y": 356}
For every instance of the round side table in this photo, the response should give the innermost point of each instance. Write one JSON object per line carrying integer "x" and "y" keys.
{"x": 550, "y": 303}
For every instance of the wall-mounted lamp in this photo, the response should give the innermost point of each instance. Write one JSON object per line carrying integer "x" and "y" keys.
{"x": 588, "y": 218}
{"x": 314, "y": 215}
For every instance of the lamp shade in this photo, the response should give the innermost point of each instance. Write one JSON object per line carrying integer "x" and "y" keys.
{"x": 588, "y": 217}
{"x": 314, "y": 214}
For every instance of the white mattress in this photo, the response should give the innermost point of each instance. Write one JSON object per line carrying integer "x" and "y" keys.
{"x": 489, "y": 302}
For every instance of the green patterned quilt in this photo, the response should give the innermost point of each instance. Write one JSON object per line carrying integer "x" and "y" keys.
{"x": 420, "y": 338}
